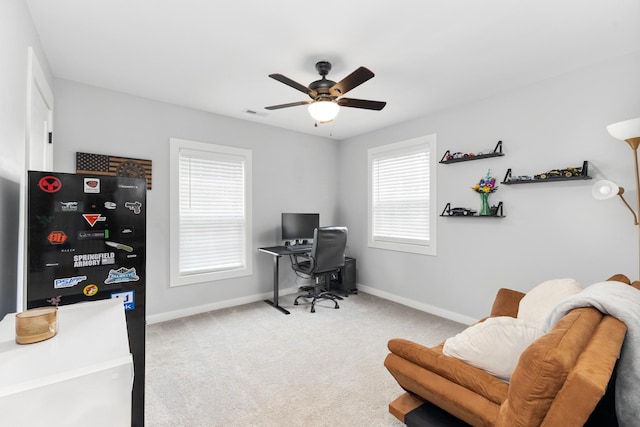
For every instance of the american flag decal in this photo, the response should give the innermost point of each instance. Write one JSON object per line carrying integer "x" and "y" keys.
{"x": 101, "y": 164}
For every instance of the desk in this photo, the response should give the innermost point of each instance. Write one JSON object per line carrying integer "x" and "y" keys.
{"x": 277, "y": 252}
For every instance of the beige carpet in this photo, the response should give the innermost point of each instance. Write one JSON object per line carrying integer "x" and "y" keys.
{"x": 254, "y": 366}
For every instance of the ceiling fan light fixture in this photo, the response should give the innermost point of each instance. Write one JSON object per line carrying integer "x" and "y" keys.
{"x": 324, "y": 111}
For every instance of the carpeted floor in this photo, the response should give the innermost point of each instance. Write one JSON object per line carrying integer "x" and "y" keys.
{"x": 254, "y": 366}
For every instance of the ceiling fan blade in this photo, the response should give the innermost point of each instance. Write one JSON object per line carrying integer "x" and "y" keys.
{"x": 354, "y": 79}
{"x": 361, "y": 103}
{"x": 286, "y": 80}
{"x": 291, "y": 104}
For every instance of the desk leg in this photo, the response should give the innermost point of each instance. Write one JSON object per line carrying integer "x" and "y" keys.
{"x": 276, "y": 275}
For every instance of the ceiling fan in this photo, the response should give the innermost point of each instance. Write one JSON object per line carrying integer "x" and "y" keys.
{"x": 326, "y": 95}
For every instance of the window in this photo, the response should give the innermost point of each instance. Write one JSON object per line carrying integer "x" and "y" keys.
{"x": 210, "y": 212}
{"x": 402, "y": 214}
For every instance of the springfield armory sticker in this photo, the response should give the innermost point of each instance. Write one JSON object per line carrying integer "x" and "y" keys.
{"x": 134, "y": 206}
{"x": 122, "y": 275}
{"x": 92, "y": 260}
{"x": 50, "y": 184}
{"x": 91, "y": 185}
{"x": 121, "y": 246}
{"x": 57, "y": 237}
{"x": 93, "y": 218}
{"x": 127, "y": 298}
{"x": 68, "y": 282}
{"x": 68, "y": 207}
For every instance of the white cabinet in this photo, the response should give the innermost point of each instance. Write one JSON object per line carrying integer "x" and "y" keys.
{"x": 83, "y": 376}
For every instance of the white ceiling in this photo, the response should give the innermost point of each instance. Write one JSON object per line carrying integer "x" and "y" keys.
{"x": 427, "y": 55}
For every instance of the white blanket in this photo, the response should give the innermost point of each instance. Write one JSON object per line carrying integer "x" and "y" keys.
{"x": 622, "y": 302}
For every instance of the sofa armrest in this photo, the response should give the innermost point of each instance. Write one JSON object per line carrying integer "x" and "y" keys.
{"x": 454, "y": 370}
{"x": 506, "y": 303}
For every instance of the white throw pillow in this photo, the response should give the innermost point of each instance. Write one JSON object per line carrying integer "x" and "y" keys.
{"x": 494, "y": 345}
{"x": 539, "y": 301}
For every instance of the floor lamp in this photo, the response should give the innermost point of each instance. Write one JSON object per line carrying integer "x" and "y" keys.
{"x": 628, "y": 130}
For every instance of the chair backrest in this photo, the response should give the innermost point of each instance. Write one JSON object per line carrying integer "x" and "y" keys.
{"x": 329, "y": 244}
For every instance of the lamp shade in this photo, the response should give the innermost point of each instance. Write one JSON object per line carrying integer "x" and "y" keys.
{"x": 324, "y": 111}
{"x": 603, "y": 190}
{"x": 625, "y": 130}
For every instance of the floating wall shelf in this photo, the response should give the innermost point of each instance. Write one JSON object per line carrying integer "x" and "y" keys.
{"x": 554, "y": 175}
{"x": 470, "y": 213}
{"x": 448, "y": 157}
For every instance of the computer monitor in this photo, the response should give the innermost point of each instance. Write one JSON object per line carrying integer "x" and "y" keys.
{"x": 299, "y": 226}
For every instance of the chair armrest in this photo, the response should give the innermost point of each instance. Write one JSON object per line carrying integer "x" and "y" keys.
{"x": 306, "y": 259}
{"x": 506, "y": 303}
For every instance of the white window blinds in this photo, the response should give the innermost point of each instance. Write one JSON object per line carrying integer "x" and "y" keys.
{"x": 213, "y": 212}
{"x": 400, "y": 210}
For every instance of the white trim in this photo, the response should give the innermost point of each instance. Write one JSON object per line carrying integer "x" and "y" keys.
{"x": 176, "y": 279}
{"x": 436, "y": 311}
{"x": 191, "y": 311}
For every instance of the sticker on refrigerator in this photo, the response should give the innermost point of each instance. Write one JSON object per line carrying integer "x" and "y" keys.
{"x": 136, "y": 207}
{"x": 91, "y": 235}
{"x": 122, "y": 275}
{"x": 50, "y": 184}
{"x": 93, "y": 218}
{"x": 68, "y": 282}
{"x": 128, "y": 299}
{"x": 91, "y": 185}
{"x": 110, "y": 205}
{"x": 57, "y": 237}
{"x": 90, "y": 290}
{"x": 120, "y": 246}
{"x": 92, "y": 260}
{"x": 68, "y": 207}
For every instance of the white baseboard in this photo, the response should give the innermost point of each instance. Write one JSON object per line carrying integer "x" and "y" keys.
{"x": 190, "y": 311}
{"x": 456, "y": 317}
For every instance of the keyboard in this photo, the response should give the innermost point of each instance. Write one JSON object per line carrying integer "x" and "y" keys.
{"x": 299, "y": 247}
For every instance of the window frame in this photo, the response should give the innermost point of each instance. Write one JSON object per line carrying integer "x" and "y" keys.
{"x": 176, "y": 277}
{"x": 428, "y": 247}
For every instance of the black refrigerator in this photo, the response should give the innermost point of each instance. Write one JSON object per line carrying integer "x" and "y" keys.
{"x": 86, "y": 241}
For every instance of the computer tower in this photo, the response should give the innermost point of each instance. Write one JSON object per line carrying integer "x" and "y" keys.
{"x": 345, "y": 280}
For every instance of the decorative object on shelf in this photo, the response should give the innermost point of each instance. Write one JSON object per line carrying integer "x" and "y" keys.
{"x": 495, "y": 212}
{"x": 629, "y": 131}
{"x": 36, "y": 324}
{"x": 486, "y": 186}
{"x": 458, "y": 156}
{"x": 567, "y": 174}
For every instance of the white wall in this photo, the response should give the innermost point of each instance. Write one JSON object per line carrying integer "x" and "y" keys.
{"x": 292, "y": 173}
{"x": 17, "y": 33}
{"x": 550, "y": 231}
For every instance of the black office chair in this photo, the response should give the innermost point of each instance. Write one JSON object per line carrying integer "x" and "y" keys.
{"x": 326, "y": 258}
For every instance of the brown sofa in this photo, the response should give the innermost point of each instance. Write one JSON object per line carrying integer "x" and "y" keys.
{"x": 558, "y": 381}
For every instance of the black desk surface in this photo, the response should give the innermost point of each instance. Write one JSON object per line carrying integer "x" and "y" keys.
{"x": 284, "y": 250}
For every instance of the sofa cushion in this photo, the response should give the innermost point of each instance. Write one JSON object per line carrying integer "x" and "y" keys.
{"x": 544, "y": 366}
{"x": 536, "y": 305}
{"x": 494, "y": 345}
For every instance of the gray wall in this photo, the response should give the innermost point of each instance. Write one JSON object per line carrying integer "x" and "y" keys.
{"x": 550, "y": 231}
{"x": 292, "y": 172}
{"x": 17, "y": 33}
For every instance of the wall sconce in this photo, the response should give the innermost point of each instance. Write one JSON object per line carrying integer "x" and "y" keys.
{"x": 629, "y": 131}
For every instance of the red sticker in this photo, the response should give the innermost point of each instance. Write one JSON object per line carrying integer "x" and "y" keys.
{"x": 93, "y": 218}
{"x": 50, "y": 184}
{"x": 57, "y": 237}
